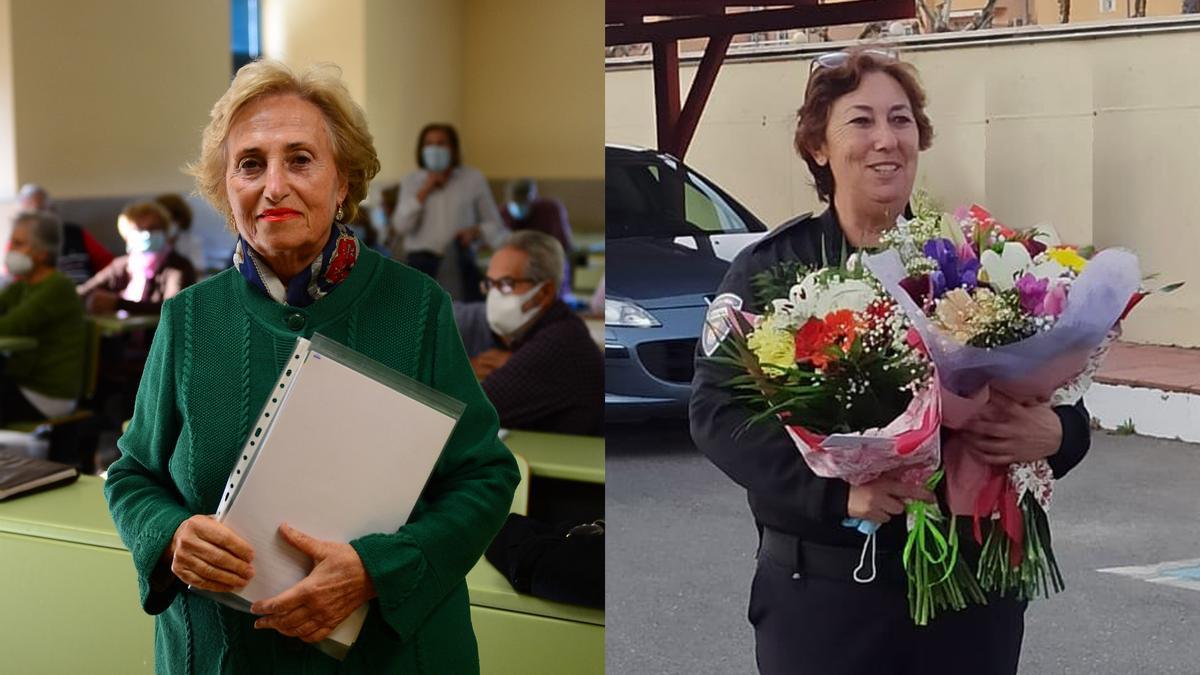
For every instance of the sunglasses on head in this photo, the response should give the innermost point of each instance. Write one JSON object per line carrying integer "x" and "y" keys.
{"x": 839, "y": 59}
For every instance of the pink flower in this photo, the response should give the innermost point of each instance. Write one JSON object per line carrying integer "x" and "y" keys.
{"x": 1056, "y": 300}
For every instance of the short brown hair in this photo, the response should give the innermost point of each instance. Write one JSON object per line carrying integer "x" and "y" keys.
{"x": 827, "y": 84}
{"x": 139, "y": 210}
{"x": 175, "y": 205}
{"x": 353, "y": 148}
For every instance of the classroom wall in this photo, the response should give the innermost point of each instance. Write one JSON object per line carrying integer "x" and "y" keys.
{"x": 534, "y": 94}
{"x": 304, "y": 32}
{"x": 8, "y": 149}
{"x": 1090, "y": 135}
{"x": 414, "y": 75}
{"x": 110, "y": 97}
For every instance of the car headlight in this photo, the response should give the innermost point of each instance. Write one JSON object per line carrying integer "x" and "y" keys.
{"x": 627, "y": 314}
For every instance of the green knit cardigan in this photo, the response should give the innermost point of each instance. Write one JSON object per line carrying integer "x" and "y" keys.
{"x": 218, "y": 350}
{"x": 51, "y": 312}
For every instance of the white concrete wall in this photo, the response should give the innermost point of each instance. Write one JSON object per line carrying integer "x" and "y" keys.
{"x": 1095, "y": 136}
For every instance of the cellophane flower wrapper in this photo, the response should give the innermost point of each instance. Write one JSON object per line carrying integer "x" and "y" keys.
{"x": 908, "y": 448}
{"x": 1017, "y": 555}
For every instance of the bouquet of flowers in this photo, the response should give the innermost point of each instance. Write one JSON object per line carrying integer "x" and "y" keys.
{"x": 834, "y": 361}
{"x": 1004, "y": 311}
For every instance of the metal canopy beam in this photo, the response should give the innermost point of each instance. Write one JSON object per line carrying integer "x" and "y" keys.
{"x": 797, "y": 16}
{"x": 676, "y": 20}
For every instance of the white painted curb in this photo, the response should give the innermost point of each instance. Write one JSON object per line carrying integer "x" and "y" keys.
{"x": 1154, "y": 412}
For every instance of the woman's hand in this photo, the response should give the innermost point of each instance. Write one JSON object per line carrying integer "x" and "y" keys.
{"x": 883, "y": 498}
{"x": 208, "y": 555}
{"x": 1009, "y": 431}
{"x": 487, "y": 362}
{"x": 337, "y": 585}
{"x": 433, "y": 182}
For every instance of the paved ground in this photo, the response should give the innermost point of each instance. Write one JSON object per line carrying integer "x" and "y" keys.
{"x": 680, "y": 560}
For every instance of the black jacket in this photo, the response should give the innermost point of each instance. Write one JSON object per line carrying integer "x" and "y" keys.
{"x": 784, "y": 493}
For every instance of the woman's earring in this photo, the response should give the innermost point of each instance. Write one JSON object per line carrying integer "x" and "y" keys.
{"x": 339, "y": 213}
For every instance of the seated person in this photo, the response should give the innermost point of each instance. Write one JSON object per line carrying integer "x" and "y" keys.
{"x": 525, "y": 210}
{"x": 81, "y": 255}
{"x": 41, "y": 303}
{"x": 179, "y": 234}
{"x": 541, "y": 370}
{"x": 149, "y": 274}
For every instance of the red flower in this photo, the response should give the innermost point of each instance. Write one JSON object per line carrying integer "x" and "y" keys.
{"x": 842, "y": 328}
{"x": 342, "y": 260}
{"x": 811, "y": 342}
{"x": 816, "y": 336}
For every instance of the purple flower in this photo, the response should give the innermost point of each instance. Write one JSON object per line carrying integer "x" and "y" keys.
{"x": 1033, "y": 294}
{"x": 952, "y": 271}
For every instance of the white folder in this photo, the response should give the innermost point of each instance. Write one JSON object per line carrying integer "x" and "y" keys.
{"x": 342, "y": 449}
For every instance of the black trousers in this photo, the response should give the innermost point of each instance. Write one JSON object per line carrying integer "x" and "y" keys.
{"x": 811, "y": 625}
{"x": 14, "y": 407}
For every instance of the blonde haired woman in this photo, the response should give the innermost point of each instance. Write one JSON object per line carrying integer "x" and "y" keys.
{"x": 287, "y": 158}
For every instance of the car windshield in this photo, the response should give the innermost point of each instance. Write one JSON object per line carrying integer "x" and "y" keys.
{"x": 648, "y": 195}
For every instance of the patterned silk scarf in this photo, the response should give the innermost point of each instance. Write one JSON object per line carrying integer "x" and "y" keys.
{"x": 324, "y": 274}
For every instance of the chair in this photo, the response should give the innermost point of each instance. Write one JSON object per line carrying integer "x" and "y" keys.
{"x": 73, "y": 437}
{"x": 520, "y": 502}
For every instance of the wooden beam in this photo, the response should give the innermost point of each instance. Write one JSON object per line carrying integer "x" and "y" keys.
{"x": 854, "y": 11}
{"x": 666, "y": 92}
{"x": 697, "y": 98}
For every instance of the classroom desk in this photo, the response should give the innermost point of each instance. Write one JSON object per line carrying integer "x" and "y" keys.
{"x": 577, "y": 458}
{"x": 70, "y": 600}
{"x": 111, "y": 324}
{"x": 14, "y": 343}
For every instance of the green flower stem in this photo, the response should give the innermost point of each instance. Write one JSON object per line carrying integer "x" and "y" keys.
{"x": 1038, "y": 572}
{"x": 938, "y": 579}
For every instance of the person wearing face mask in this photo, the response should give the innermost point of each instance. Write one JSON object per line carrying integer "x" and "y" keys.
{"x": 179, "y": 232}
{"x": 444, "y": 209}
{"x": 150, "y": 272}
{"x": 81, "y": 255}
{"x": 40, "y": 303}
{"x": 860, "y": 130}
{"x": 525, "y": 209}
{"x": 535, "y": 358}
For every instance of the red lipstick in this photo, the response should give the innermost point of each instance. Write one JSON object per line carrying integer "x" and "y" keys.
{"x": 276, "y": 215}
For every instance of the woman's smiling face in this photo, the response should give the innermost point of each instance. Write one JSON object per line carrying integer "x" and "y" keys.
{"x": 871, "y": 144}
{"x": 281, "y": 177}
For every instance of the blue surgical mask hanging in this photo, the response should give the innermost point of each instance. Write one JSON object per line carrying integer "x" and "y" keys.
{"x": 146, "y": 241}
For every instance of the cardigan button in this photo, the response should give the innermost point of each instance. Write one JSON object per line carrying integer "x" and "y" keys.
{"x": 296, "y": 321}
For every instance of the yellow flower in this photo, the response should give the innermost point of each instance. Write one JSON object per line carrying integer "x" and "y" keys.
{"x": 773, "y": 347}
{"x": 1067, "y": 257}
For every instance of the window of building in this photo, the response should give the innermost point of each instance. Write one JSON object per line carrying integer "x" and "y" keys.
{"x": 245, "y": 34}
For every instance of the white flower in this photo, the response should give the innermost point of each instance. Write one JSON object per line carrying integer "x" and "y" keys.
{"x": 1036, "y": 478}
{"x": 1003, "y": 268}
{"x": 810, "y": 299}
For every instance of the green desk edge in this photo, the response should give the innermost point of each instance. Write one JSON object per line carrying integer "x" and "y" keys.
{"x": 578, "y": 458}
{"x": 16, "y": 343}
{"x": 77, "y": 513}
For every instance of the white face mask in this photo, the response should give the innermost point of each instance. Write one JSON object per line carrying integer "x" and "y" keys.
{"x": 504, "y": 314}
{"x": 18, "y": 263}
